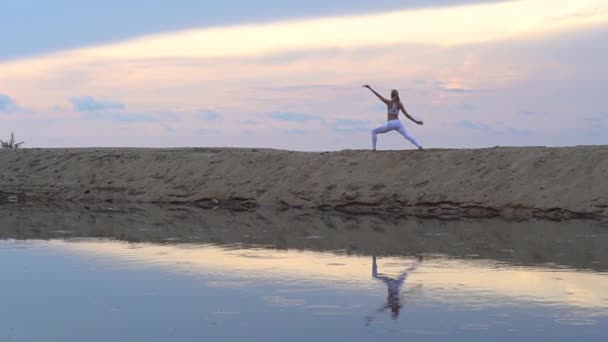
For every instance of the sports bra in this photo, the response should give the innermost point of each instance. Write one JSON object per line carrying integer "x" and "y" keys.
{"x": 394, "y": 109}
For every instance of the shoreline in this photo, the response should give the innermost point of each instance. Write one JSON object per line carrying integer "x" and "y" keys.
{"x": 507, "y": 182}
{"x": 524, "y": 243}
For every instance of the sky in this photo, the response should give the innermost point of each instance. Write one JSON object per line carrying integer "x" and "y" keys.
{"x": 288, "y": 75}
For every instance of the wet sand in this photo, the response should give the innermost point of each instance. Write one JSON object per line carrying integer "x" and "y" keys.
{"x": 574, "y": 243}
{"x": 509, "y": 182}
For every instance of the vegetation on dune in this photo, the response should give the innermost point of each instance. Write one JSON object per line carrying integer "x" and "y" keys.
{"x": 11, "y": 143}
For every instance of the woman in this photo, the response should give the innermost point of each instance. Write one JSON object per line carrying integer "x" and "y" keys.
{"x": 394, "y": 286}
{"x": 394, "y": 105}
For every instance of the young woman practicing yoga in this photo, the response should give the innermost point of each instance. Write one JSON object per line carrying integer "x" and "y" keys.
{"x": 393, "y": 105}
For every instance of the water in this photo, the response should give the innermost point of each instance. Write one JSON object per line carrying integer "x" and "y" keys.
{"x": 179, "y": 274}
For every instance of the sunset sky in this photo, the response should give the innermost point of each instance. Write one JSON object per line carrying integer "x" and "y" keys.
{"x": 288, "y": 75}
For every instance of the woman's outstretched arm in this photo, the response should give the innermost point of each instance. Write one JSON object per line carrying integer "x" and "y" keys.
{"x": 375, "y": 93}
{"x": 408, "y": 116}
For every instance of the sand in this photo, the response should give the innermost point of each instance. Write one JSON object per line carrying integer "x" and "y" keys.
{"x": 508, "y": 182}
{"x": 580, "y": 244}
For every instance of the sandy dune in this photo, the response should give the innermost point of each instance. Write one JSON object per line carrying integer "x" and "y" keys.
{"x": 510, "y": 182}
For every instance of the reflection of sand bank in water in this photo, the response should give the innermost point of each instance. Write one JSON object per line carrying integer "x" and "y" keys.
{"x": 511, "y": 182}
{"x": 576, "y": 244}
{"x": 480, "y": 282}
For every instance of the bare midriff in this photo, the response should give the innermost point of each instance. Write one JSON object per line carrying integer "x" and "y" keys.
{"x": 393, "y": 117}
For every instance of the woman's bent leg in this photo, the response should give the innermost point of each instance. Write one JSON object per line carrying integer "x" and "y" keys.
{"x": 382, "y": 129}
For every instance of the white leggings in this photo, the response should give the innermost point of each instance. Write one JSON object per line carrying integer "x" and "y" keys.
{"x": 392, "y": 125}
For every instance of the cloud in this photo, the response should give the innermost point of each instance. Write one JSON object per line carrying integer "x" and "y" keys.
{"x": 455, "y": 90}
{"x": 7, "y": 104}
{"x": 518, "y": 132}
{"x": 90, "y": 104}
{"x": 467, "y": 107}
{"x": 211, "y": 115}
{"x": 541, "y": 73}
{"x": 351, "y": 126}
{"x": 294, "y": 117}
{"x": 477, "y": 126}
{"x": 118, "y": 117}
{"x": 468, "y": 124}
{"x": 378, "y": 106}
{"x": 295, "y": 132}
{"x": 93, "y": 109}
{"x": 66, "y": 18}
{"x": 351, "y": 123}
{"x": 168, "y": 128}
{"x": 204, "y": 131}
{"x": 597, "y": 127}
{"x": 304, "y": 87}
{"x": 601, "y": 117}
{"x": 476, "y": 23}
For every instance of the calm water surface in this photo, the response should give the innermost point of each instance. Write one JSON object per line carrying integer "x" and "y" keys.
{"x": 176, "y": 274}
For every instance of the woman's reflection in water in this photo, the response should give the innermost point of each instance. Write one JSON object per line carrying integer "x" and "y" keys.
{"x": 394, "y": 286}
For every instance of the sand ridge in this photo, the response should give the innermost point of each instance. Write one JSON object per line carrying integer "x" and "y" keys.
{"x": 512, "y": 182}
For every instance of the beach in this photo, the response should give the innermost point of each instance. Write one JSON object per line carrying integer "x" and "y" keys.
{"x": 506, "y": 182}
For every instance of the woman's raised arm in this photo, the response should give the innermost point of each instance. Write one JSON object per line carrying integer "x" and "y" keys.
{"x": 375, "y": 93}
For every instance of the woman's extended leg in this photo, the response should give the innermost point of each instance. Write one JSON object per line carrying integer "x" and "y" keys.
{"x": 408, "y": 137}
{"x": 382, "y": 129}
